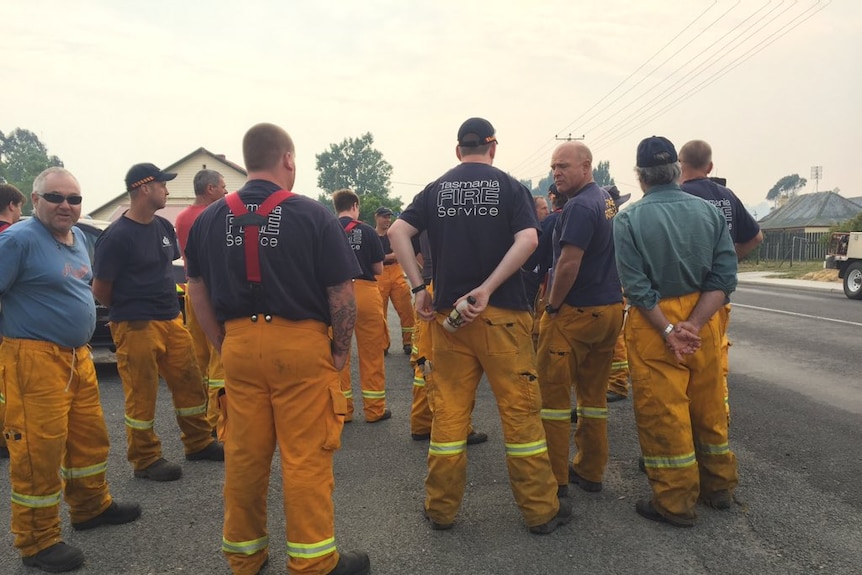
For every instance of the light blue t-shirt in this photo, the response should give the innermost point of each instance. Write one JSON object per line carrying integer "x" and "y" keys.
{"x": 45, "y": 286}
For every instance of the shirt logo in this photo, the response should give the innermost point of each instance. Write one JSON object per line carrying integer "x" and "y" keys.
{"x": 268, "y": 234}
{"x": 477, "y": 198}
{"x": 165, "y": 241}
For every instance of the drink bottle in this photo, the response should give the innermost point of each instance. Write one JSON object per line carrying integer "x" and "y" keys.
{"x": 455, "y": 320}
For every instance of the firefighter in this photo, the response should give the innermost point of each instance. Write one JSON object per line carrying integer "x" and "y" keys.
{"x": 392, "y": 284}
{"x": 134, "y": 277}
{"x": 209, "y": 186}
{"x": 370, "y": 323}
{"x": 273, "y": 290}
{"x": 677, "y": 266}
{"x": 479, "y": 239}
{"x": 55, "y": 428}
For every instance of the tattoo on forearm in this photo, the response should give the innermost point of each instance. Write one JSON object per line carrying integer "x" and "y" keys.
{"x": 342, "y": 309}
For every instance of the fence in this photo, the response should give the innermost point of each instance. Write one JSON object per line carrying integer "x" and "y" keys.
{"x": 793, "y": 246}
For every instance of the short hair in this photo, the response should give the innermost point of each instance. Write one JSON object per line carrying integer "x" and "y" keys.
{"x": 344, "y": 199}
{"x": 697, "y": 154}
{"x": 659, "y": 175}
{"x": 39, "y": 182}
{"x": 264, "y": 145}
{"x": 205, "y": 178}
{"x": 9, "y": 195}
{"x": 536, "y": 200}
{"x": 474, "y": 150}
{"x": 559, "y": 200}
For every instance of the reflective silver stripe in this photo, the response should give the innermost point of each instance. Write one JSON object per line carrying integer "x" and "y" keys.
{"x": 186, "y": 411}
{"x": 617, "y": 365}
{"x": 215, "y": 383}
{"x": 526, "y": 449}
{"x": 671, "y": 461}
{"x": 414, "y": 349}
{"x": 348, "y": 393}
{"x": 593, "y": 412}
{"x": 557, "y": 414}
{"x": 374, "y": 394}
{"x": 36, "y": 501}
{"x": 245, "y": 547}
{"x": 406, "y": 330}
{"x": 448, "y": 448}
{"x": 713, "y": 449}
{"x": 138, "y": 424}
{"x": 419, "y": 381}
{"x": 79, "y": 472}
{"x": 2, "y": 398}
{"x": 311, "y": 550}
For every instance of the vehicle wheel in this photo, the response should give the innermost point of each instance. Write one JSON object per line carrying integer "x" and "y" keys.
{"x": 853, "y": 281}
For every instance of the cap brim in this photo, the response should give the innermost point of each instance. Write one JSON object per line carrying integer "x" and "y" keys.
{"x": 166, "y": 177}
{"x": 622, "y": 199}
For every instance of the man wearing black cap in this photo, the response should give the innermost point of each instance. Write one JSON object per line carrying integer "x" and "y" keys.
{"x": 392, "y": 284}
{"x": 677, "y": 266}
{"x": 582, "y": 319}
{"x": 482, "y": 227}
{"x": 134, "y": 277}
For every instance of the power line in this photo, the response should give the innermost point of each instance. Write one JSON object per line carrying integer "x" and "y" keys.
{"x": 544, "y": 147}
{"x": 731, "y": 66}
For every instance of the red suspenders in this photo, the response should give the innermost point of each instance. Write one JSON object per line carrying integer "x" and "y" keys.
{"x": 352, "y": 224}
{"x": 251, "y": 222}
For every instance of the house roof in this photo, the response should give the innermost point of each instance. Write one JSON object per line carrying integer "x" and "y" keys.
{"x": 823, "y": 209}
{"x": 218, "y": 157}
{"x": 857, "y": 200}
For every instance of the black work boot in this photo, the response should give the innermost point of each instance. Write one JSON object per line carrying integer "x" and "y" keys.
{"x": 352, "y": 563}
{"x": 563, "y": 516}
{"x": 57, "y": 558}
{"x": 212, "y": 452}
{"x": 115, "y": 514}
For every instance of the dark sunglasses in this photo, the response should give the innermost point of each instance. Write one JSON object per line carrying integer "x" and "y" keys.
{"x": 58, "y": 198}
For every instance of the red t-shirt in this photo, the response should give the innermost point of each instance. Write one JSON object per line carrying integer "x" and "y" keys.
{"x": 184, "y": 222}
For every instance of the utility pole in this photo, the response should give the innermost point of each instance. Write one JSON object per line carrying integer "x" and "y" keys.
{"x": 569, "y": 138}
{"x": 816, "y": 174}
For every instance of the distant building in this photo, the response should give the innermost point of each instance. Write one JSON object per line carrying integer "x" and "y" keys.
{"x": 795, "y": 231}
{"x": 181, "y": 190}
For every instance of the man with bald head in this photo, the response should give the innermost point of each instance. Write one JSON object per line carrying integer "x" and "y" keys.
{"x": 55, "y": 427}
{"x": 582, "y": 319}
{"x": 271, "y": 277}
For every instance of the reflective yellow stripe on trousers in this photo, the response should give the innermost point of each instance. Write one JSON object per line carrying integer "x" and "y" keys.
{"x": 671, "y": 461}
{"x": 526, "y": 449}
{"x": 311, "y": 550}
{"x": 713, "y": 449}
{"x": 245, "y": 547}
{"x": 448, "y": 448}
{"x": 593, "y": 412}
{"x": 138, "y": 424}
{"x": 556, "y": 414}
{"x": 196, "y": 410}
{"x": 81, "y": 472}
{"x": 36, "y": 501}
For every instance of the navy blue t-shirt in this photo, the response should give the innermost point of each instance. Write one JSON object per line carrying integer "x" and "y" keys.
{"x": 472, "y": 214}
{"x": 742, "y": 225}
{"x": 365, "y": 244}
{"x": 587, "y": 223}
{"x": 302, "y": 250}
{"x": 137, "y": 259}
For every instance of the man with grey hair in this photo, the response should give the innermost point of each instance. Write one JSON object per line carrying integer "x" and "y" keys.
{"x": 677, "y": 266}
{"x": 55, "y": 427}
{"x": 209, "y": 186}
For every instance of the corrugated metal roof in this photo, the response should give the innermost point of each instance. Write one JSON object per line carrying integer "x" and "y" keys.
{"x": 823, "y": 209}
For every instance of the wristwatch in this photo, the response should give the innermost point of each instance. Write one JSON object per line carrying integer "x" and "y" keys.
{"x": 667, "y": 330}
{"x": 550, "y": 310}
{"x": 417, "y": 289}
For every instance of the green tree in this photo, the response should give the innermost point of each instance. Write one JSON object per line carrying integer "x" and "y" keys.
{"x": 541, "y": 188}
{"x": 786, "y": 187}
{"x": 852, "y": 225}
{"x": 22, "y": 158}
{"x": 602, "y": 174}
{"x": 356, "y": 164}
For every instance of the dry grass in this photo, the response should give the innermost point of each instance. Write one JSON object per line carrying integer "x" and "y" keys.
{"x": 799, "y": 270}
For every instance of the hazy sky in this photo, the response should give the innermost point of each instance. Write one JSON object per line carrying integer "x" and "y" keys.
{"x": 773, "y": 86}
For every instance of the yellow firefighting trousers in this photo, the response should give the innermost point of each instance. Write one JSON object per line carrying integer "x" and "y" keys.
{"x": 209, "y": 364}
{"x": 498, "y": 344}
{"x": 724, "y": 322}
{"x": 145, "y": 350}
{"x": 58, "y": 442}
{"x": 576, "y": 347}
{"x": 284, "y": 391}
{"x": 393, "y": 286}
{"x": 618, "y": 382}
{"x": 369, "y": 330}
{"x": 679, "y": 408}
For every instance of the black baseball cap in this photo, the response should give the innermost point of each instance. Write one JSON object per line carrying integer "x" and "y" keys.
{"x": 383, "y": 211}
{"x": 655, "y": 151}
{"x": 476, "y": 132}
{"x": 141, "y": 174}
{"x": 614, "y": 193}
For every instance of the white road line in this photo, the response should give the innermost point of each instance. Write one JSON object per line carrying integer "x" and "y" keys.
{"x": 793, "y": 313}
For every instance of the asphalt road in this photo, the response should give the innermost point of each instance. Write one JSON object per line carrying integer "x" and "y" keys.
{"x": 797, "y": 413}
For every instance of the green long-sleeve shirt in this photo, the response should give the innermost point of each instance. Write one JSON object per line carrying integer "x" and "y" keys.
{"x": 671, "y": 244}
